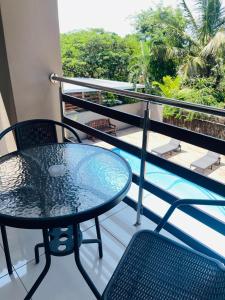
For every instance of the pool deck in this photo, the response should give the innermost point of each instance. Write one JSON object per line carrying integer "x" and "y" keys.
{"x": 188, "y": 154}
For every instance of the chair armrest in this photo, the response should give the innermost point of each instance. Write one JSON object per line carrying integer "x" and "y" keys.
{"x": 69, "y": 128}
{"x": 5, "y": 131}
{"x": 178, "y": 203}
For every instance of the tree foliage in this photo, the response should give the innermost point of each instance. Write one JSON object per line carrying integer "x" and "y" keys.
{"x": 208, "y": 31}
{"x": 200, "y": 91}
{"x": 178, "y": 53}
{"x": 96, "y": 53}
{"x": 163, "y": 29}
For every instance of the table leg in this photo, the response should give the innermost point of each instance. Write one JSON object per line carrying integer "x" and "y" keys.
{"x": 46, "y": 268}
{"x": 99, "y": 237}
{"x": 6, "y": 249}
{"x": 78, "y": 262}
{"x": 36, "y": 252}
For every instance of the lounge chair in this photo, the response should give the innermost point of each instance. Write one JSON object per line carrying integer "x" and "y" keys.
{"x": 208, "y": 160}
{"x": 173, "y": 145}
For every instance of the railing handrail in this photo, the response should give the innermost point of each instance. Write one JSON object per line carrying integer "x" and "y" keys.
{"x": 144, "y": 97}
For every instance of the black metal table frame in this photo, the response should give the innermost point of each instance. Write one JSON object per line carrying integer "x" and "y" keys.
{"x": 49, "y": 224}
{"x": 50, "y": 251}
{"x": 53, "y": 225}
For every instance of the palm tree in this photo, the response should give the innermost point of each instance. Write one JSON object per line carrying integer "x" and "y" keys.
{"x": 139, "y": 67}
{"x": 207, "y": 27}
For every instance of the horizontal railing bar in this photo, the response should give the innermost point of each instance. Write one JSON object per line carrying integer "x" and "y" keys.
{"x": 178, "y": 170}
{"x": 129, "y": 201}
{"x": 176, "y": 232}
{"x": 202, "y": 180}
{"x": 157, "y": 191}
{"x": 205, "y": 218}
{"x": 191, "y": 137}
{"x": 192, "y": 211}
{"x": 146, "y": 97}
{"x": 131, "y": 119}
{"x": 104, "y": 137}
{"x": 194, "y": 177}
{"x": 182, "y": 236}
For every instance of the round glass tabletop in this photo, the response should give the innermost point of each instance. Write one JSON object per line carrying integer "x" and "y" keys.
{"x": 54, "y": 185}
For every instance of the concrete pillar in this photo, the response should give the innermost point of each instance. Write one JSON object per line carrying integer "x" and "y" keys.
{"x": 156, "y": 112}
{"x": 7, "y": 144}
{"x": 31, "y": 51}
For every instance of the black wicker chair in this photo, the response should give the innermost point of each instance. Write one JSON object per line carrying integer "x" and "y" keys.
{"x": 31, "y": 133}
{"x": 155, "y": 267}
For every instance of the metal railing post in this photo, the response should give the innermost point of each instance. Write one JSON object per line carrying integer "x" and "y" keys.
{"x": 55, "y": 81}
{"x": 61, "y": 110}
{"x": 143, "y": 163}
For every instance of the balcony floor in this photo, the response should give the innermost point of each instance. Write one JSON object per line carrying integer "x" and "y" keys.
{"x": 64, "y": 280}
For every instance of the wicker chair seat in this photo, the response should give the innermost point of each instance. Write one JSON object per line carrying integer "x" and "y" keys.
{"x": 154, "y": 267}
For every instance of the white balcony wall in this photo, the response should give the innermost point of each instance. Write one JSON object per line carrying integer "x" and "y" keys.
{"x": 87, "y": 116}
{"x": 32, "y": 52}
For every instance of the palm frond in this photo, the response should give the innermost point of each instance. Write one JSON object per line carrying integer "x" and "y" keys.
{"x": 189, "y": 15}
{"x": 216, "y": 14}
{"x": 215, "y": 45}
{"x": 220, "y": 23}
{"x": 183, "y": 34}
{"x": 205, "y": 30}
{"x": 192, "y": 67}
{"x": 212, "y": 17}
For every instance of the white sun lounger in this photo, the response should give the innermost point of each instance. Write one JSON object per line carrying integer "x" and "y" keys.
{"x": 208, "y": 160}
{"x": 173, "y": 145}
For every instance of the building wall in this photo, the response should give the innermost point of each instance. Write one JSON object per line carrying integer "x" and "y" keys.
{"x": 5, "y": 82}
{"x": 31, "y": 41}
{"x": 7, "y": 143}
{"x": 86, "y": 116}
{"x": 156, "y": 112}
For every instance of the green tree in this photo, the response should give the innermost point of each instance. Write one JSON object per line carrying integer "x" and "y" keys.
{"x": 163, "y": 29}
{"x": 169, "y": 86}
{"x": 139, "y": 68}
{"x": 206, "y": 51}
{"x": 201, "y": 92}
{"x": 96, "y": 53}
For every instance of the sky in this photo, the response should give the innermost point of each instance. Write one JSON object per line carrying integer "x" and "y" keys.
{"x": 112, "y": 15}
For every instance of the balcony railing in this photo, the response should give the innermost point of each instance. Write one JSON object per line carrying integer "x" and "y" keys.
{"x": 147, "y": 124}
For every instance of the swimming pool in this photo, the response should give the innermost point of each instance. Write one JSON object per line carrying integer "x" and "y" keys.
{"x": 182, "y": 189}
{"x": 178, "y": 186}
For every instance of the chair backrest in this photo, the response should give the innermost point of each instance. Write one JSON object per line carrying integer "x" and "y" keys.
{"x": 36, "y": 132}
{"x": 99, "y": 123}
{"x": 174, "y": 142}
{"x": 213, "y": 154}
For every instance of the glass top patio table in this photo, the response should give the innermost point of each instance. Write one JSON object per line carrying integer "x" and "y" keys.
{"x": 58, "y": 184}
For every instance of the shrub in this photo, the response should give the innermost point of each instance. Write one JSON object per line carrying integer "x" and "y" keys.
{"x": 199, "y": 91}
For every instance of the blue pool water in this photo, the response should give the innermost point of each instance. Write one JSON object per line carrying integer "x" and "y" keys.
{"x": 168, "y": 181}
